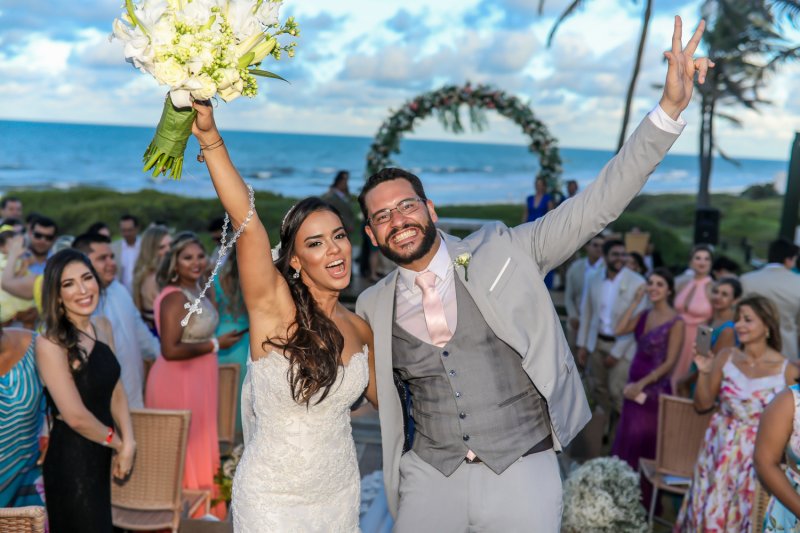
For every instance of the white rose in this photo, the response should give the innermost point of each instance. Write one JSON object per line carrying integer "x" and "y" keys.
{"x": 170, "y": 72}
{"x": 230, "y": 93}
{"x": 228, "y": 77}
{"x": 201, "y": 86}
{"x": 268, "y": 13}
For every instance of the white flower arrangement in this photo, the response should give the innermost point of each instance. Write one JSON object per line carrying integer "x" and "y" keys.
{"x": 199, "y": 49}
{"x": 603, "y": 496}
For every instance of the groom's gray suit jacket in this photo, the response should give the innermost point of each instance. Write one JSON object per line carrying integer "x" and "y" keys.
{"x": 506, "y": 280}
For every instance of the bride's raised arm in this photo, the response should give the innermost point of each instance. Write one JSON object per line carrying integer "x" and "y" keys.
{"x": 265, "y": 291}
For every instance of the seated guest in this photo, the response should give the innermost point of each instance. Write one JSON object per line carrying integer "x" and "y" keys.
{"x": 745, "y": 380}
{"x": 21, "y": 418}
{"x": 659, "y": 337}
{"x": 778, "y": 438}
{"x": 156, "y": 241}
{"x": 90, "y": 418}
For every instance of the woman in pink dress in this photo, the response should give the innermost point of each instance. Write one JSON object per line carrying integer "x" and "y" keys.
{"x": 185, "y": 375}
{"x": 693, "y": 302}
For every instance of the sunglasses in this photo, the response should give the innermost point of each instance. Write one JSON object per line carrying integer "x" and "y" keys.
{"x": 44, "y": 236}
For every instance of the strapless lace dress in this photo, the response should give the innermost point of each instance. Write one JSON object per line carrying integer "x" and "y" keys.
{"x": 299, "y": 471}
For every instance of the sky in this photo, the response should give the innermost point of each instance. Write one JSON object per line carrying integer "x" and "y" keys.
{"x": 358, "y": 59}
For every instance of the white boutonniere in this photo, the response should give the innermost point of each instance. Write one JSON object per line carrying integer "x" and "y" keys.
{"x": 463, "y": 261}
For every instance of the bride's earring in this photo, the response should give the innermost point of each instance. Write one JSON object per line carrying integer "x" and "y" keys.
{"x": 296, "y": 274}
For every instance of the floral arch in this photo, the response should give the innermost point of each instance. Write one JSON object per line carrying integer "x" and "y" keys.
{"x": 446, "y": 103}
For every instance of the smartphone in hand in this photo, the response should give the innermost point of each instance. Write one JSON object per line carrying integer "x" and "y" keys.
{"x": 703, "y": 340}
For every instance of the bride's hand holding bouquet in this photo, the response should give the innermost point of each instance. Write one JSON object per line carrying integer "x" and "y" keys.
{"x": 200, "y": 49}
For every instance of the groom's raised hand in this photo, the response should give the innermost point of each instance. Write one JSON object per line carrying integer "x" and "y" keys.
{"x": 682, "y": 69}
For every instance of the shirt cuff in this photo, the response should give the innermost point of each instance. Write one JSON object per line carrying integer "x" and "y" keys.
{"x": 664, "y": 122}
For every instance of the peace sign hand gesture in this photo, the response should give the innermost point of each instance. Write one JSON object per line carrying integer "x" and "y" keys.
{"x": 682, "y": 68}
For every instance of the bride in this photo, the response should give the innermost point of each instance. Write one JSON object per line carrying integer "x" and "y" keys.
{"x": 311, "y": 359}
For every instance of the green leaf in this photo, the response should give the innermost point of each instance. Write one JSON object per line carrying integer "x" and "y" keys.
{"x": 266, "y": 74}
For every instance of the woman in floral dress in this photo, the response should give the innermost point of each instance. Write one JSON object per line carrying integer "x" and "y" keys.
{"x": 720, "y": 498}
{"x": 779, "y": 432}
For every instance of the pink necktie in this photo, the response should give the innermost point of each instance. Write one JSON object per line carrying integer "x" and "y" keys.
{"x": 433, "y": 308}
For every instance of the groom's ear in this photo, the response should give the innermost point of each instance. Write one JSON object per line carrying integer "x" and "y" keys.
{"x": 371, "y": 235}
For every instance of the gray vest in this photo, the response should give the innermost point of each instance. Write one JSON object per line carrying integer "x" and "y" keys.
{"x": 471, "y": 394}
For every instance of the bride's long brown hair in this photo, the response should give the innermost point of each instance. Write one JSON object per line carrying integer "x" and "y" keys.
{"x": 313, "y": 344}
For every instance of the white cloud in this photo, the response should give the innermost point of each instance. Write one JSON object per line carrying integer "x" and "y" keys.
{"x": 357, "y": 60}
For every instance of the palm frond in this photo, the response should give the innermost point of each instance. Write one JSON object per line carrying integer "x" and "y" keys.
{"x": 571, "y": 9}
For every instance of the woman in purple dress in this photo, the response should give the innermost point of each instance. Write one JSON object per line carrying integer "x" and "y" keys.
{"x": 659, "y": 337}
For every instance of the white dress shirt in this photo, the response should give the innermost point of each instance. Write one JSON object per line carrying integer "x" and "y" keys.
{"x": 133, "y": 341}
{"x": 127, "y": 262}
{"x": 408, "y": 296}
{"x": 610, "y": 292}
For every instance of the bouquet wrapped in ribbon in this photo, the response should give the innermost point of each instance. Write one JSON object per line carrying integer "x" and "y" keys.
{"x": 199, "y": 49}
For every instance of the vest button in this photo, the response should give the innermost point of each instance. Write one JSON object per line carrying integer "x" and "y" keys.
{"x": 465, "y": 437}
{"x": 445, "y": 353}
{"x": 458, "y": 394}
{"x": 462, "y": 415}
{"x": 452, "y": 372}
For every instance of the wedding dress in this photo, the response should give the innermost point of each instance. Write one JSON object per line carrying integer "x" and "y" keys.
{"x": 299, "y": 471}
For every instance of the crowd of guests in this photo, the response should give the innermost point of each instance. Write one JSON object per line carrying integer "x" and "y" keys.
{"x": 638, "y": 334}
{"x": 81, "y": 318}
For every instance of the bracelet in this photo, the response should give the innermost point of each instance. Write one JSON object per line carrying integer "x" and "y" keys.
{"x": 109, "y": 437}
{"x": 215, "y": 343}
{"x": 216, "y": 144}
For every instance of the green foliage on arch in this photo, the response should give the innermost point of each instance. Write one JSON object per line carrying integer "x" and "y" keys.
{"x": 446, "y": 104}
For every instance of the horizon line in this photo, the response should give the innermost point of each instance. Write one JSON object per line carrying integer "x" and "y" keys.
{"x": 355, "y": 136}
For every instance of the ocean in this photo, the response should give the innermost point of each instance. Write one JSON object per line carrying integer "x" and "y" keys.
{"x": 44, "y": 155}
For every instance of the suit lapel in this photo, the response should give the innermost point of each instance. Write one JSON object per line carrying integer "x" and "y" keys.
{"x": 476, "y": 290}
{"x": 382, "y": 331}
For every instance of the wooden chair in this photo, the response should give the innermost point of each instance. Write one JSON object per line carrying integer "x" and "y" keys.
{"x": 226, "y": 412}
{"x": 22, "y": 519}
{"x": 680, "y": 435}
{"x": 152, "y": 497}
{"x": 760, "y": 503}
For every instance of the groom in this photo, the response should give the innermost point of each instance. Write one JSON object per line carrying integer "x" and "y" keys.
{"x": 469, "y": 329}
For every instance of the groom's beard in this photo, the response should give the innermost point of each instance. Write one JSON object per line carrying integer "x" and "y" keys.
{"x": 401, "y": 258}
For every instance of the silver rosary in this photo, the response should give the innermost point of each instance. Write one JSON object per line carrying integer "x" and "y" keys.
{"x": 224, "y": 248}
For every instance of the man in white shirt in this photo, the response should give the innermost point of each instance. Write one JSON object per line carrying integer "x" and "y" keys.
{"x": 133, "y": 341}
{"x": 578, "y": 274}
{"x": 779, "y": 283}
{"x": 608, "y": 295}
{"x": 126, "y": 249}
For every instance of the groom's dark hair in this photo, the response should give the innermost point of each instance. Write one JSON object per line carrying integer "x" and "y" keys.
{"x": 389, "y": 174}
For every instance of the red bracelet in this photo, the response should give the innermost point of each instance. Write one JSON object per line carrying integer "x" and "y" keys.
{"x": 110, "y": 435}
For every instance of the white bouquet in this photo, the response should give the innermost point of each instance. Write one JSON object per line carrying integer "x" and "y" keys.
{"x": 199, "y": 49}
{"x": 602, "y": 496}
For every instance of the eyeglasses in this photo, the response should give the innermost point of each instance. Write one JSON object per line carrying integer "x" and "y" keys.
{"x": 44, "y": 236}
{"x": 405, "y": 207}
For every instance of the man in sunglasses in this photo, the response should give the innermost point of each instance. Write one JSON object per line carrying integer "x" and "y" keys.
{"x": 41, "y": 236}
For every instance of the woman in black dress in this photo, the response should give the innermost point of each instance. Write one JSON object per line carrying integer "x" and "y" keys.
{"x": 90, "y": 418}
